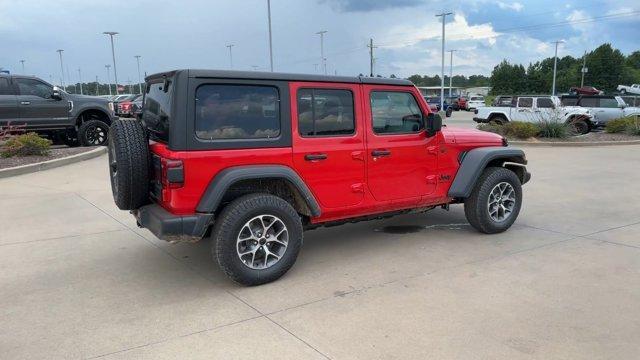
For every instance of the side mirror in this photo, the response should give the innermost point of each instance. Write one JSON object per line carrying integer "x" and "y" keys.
{"x": 434, "y": 123}
{"x": 55, "y": 95}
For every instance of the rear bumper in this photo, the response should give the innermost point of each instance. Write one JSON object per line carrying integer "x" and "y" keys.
{"x": 170, "y": 227}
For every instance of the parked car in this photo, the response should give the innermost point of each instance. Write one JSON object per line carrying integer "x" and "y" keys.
{"x": 462, "y": 102}
{"x": 120, "y": 99}
{"x": 453, "y": 102}
{"x": 265, "y": 156}
{"x": 534, "y": 108}
{"x": 633, "y": 89}
{"x": 502, "y": 100}
{"x": 475, "y": 102}
{"x": 43, "y": 108}
{"x": 125, "y": 107}
{"x": 631, "y": 100}
{"x": 603, "y": 108}
{"x": 585, "y": 90}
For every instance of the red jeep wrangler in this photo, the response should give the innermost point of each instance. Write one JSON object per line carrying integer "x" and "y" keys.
{"x": 252, "y": 159}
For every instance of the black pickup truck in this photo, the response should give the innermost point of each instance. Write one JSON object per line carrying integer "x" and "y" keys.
{"x": 43, "y": 108}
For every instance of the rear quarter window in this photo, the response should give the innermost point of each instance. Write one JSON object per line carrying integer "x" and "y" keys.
{"x": 156, "y": 110}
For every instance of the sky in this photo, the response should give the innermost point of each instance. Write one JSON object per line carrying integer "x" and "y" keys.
{"x": 194, "y": 34}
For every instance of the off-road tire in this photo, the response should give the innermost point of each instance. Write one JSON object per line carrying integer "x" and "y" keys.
{"x": 229, "y": 224}
{"x": 579, "y": 126}
{"x": 129, "y": 164}
{"x": 498, "y": 120}
{"x": 476, "y": 205}
{"x": 93, "y": 133}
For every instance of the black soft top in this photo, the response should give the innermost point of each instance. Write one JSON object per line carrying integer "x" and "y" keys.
{"x": 261, "y": 75}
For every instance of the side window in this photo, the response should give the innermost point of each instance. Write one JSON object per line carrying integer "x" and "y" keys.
{"x": 608, "y": 103}
{"x": 569, "y": 101}
{"x": 34, "y": 87}
{"x": 395, "y": 113}
{"x": 237, "y": 112}
{"x": 545, "y": 103}
{"x": 525, "y": 102}
{"x": 325, "y": 112}
{"x": 589, "y": 102}
{"x": 5, "y": 87}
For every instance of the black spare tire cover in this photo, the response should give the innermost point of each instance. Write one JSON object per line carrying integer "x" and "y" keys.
{"x": 129, "y": 164}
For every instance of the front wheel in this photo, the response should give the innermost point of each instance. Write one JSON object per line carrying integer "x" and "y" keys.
{"x": 494, "y": 203}
{"x": 257, "y": 238}
{"x": 93, "y": 133}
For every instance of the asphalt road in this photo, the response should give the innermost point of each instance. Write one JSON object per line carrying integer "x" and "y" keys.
{"x": 79, "y": 280}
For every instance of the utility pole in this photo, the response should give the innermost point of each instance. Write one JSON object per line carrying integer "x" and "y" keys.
{"x": 139, "y": 79}
{"x": 270, "y": 39}
{"x": 371, "y": 62}
{"x": 444, "y": 17}
{"x": 230, "y": 55}
{"x": 59, "y": 51}
{"x": 108, "y": 78}
{"x": 80, "y": 78}
{"x": 584, "y": 68}
{"x": 323, "y": 60}
{"x": 113, "y": 55}
{"x": 451, "y": 71}
{"x": 555, "y": 67}
{"x": 97, "y": 86}
{"x": 23, "y": 72}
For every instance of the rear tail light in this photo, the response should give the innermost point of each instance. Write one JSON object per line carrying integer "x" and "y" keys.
{"x": 171, "y": 177}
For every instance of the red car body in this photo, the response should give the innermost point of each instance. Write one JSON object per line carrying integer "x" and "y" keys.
{"x": 350, "y": 182}
{"x": 585, "y": 90}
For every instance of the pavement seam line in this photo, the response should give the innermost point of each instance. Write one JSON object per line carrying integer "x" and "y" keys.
{"x": 200, "y": 275}
{"x": 297, "y": 337}
{"x": 63, "y": 237}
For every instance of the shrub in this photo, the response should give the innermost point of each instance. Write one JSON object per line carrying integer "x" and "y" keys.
{"x": 554, "y": 129}
{"x": 633, "y": 126}
{"x": 26, "y": 145}
{"x": 521, "y": 129}
{"x": 492, "y": 127}
{"x": 619, "y": 125}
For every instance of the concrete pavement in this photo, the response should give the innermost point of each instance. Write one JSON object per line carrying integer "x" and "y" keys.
{"x": 79, "y": 280}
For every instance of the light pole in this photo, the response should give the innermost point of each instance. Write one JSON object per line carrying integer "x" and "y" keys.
{"x": 444, "y": 17}
{"x": 61, "y": 67}
{"x": 451, "y": 71}
{"x": 23, "y": 72}
{"x": 555, "y": 66}
{"x": 371, "y": 58}
{"x": 80, "y": 79}
{"x": 584, "y": 68}
{"x": 108, "y": 78}
{"x": 230, "y": 55}
{"x": 97, "y": 86}
{"x": 322, "y": 58}
{"x": 113, "y": 55}
{"x": 270, "y": 39}
{"x": 139, "y": 79}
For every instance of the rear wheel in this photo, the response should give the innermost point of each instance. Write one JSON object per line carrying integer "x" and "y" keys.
{"x": 256, "y": 239}
{"x": 129, "y": 164}
{"x": 498, "y": 120}
{"x": 494, "y": 203}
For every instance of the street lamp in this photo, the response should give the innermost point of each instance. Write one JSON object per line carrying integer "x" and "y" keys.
{"x": 108, "y": 78}
{"x": 555, "y": 66}
{"x": 451, "y": 71}
{"x": 59, "y": 51}
{"x": 322, "y": 58}
{"x": 80, "y": 79}
{"x": 230, "y": 55}
{"x": 139, "y": 79}
{"x": 444, "y": 17}
{"x": 113, "y": 55}
{"x": 270, "y": 39}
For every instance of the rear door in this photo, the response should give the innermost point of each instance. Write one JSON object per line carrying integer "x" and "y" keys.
{"x": 8, "y": 102}
{"x": 545, "y": 109}
{"x": 37, "y": 108}
{"x": 608, "y": 109}
{"x": 401, "y": 159}
{"x": 523, "y": 110}
{"x": 328, "y": 141}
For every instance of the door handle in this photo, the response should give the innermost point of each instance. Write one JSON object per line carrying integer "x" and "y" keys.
{"x": 315, "y": 157}
{"x": 378, "y": 153}
{"x": 25, "y": 102}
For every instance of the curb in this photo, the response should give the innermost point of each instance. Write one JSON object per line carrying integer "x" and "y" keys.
{"x": 574, "y": 143}
{"x": 50, "y": 164}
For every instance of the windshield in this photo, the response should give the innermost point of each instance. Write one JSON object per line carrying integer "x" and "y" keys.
{"x": 477, "y": 98}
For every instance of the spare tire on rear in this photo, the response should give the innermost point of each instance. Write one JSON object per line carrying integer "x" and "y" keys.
{"x": 129, "y": 164}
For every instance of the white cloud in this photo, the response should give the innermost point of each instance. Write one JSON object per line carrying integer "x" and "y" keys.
{"x": 515, "y": 6}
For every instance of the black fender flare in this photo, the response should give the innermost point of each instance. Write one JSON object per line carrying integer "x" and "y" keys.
{"x": 224, "y": 179}
{"x": 82, "y": 110}
{"x": 475, "y": 161}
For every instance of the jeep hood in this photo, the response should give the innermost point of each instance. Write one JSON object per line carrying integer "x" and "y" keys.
{"x": 453, "y": 135}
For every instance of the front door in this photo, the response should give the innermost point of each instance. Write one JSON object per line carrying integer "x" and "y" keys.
{"x": 523, "y": 110}
{"x": 37, "y": 108}
{"x": 608, "y": 109}
{"x": 401, "y": 158}
{"x": 8, "y": 103}
{"x": 328, "y": 141}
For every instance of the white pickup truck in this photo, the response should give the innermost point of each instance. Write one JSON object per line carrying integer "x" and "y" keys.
{"x": 604, "y": 108}
{"x": 633, "y": 89}
{"x": 536, "y": 109}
